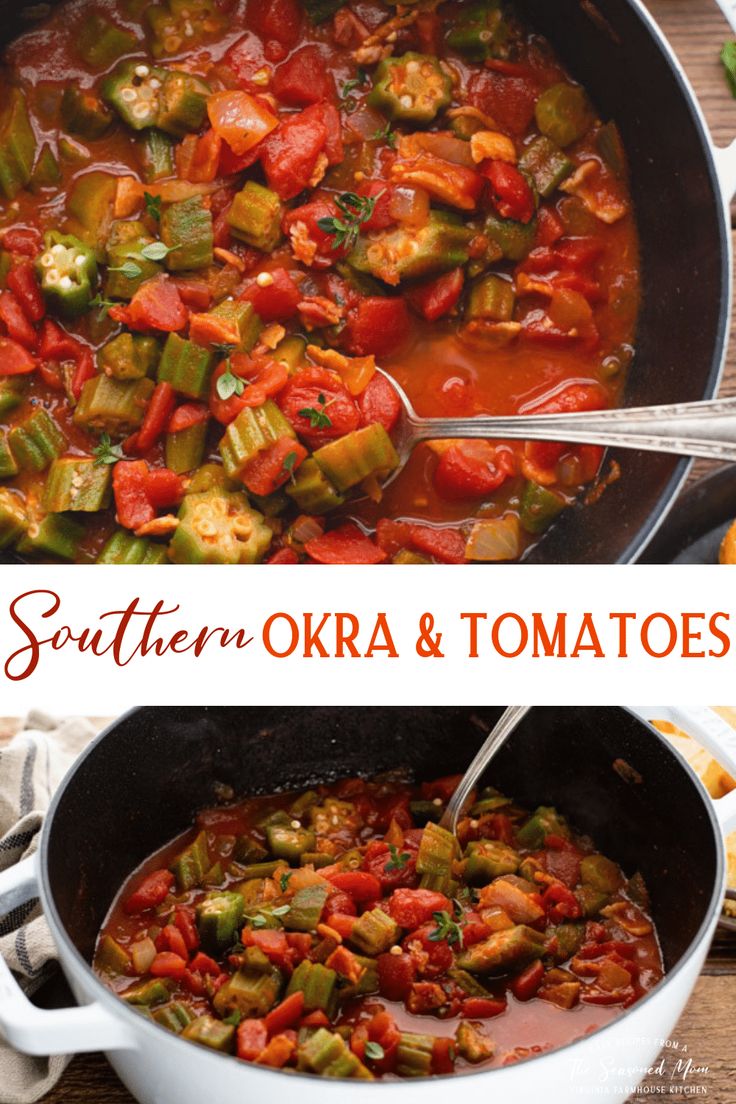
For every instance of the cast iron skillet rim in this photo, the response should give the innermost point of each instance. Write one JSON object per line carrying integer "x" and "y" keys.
{"x": 109, "y": 1001}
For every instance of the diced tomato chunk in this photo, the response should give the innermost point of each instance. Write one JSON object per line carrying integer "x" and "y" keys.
{"x": 396, "y": 975}
{"x": 25, "y": 240}
{"x": 381, "y": 216}
{"x": 283, "y": 556}
{"x": 316, "y": 389}
{"x": 15, "y": 360}
{"x": 171, "y": 939}
{"x": 472, "y": 469}
{"x": 23, "y": 283}
{"x": 252, "y": 1036}
{"x": 443, "y": 1055}
{"x": 289, "y": 154}
{"x": 168, "y": 964}
{"x": 511, "y": 193}
{"x": 411, "y": 908}
{"x": 156, "y": 305}
{"x": 446, "y": 545}
{"x": 480, "y": 1008}
{"x": 435, "y": 298}
{"x": 378, "y": 325}
{"x": 432, "y": 957}
{"x": 278, "y": 300}
{"x": 153, "y": 891}
{"x": 132, "y": 504}
{"x": 509, "y": 99}
{"x": 357, "y": 884}
{"x": 272, "y": 467}
{"x": 344, "y": 545}
{"x": 275, "y": 20}
{"x": 185, "y": 922}
{"x": 286, "y": 1014}
{"x": 187, "y": 415}
{"x": 15, "y": 321}
{"x": 304, "y": 79}
{"x": 203, "y": 964}
{"x": 525, "y": 984}
{"x": 159, "y": 410}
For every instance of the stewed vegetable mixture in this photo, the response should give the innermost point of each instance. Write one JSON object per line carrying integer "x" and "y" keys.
{"x": 219, "y": 216}
{"x": 343, "y": 932}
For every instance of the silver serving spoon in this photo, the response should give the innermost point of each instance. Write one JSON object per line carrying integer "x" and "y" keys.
{"x": 498, "y": 736}
{"x": 702, "y": 429}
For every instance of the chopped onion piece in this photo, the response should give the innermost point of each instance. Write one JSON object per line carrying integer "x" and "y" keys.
{"x": 409, "y": 205}
{"x": 494, "y": 540}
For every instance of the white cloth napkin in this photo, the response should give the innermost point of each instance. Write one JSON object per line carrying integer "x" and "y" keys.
{"x": 31, "y": 767}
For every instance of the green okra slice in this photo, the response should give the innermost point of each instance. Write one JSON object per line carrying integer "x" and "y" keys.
{"x": 183, "y": 104}
{"x": 36, "y": 441}
{"x": 591, "y": 900}
{"x": 123, "y": 547}
{"x": 248, "y": 850}
{"x": 570, "y": 938}
{"x": 174, "y": 1017}
{"x": 374, "y": 932}
{"x": 504, "y": 951}
{"x": 90, "y": 207}
{"x": 46, "y": 171}
{"x": 472, "y": 1044}
{"x": 83, "y": 113}
{"x": 156, "y": 151}
{"x": 17, "y": 145}
{"x": 181, "y": 23}
{"x": 113, "y": 406}
{"x": 489, "y": 859}
{"x": 468, "y": 983}
{"x": 289, "y": 843}
{"x": 129, "y": 356}
{"x": 13, "y": 517}
{"x": 67, "y": 271}
{"x": 111, "y": 957}
{"x": 546, "y": 164}
{"x": 238, "y": 323}
{"x": 210, "y": 1032}
{"x": 155, "y": 991}
{"x": 53, "y": 535}
{"x": 601, "y": 873}
{"x": 539, "y": 507}
{"x": 564, "y": 113}
{"x": 479, "y": 31}
{"x": 186, "y": 229}
{"x": 99, "y": 42}
{"x": 260, "y": 869}
{"x": 438, "y": 850}
{"x": 219, "y": 527}
{"x": 127, "y": 267}
{"x": 411, "y": 88}
{"x": 424, "y": 811}
{"x": 184, "y": 449}
{"x": 327, "y": 1053}
{"x": 318, "y": 983}
{"x": 312, "y": 491}
{"x": 514, "y": 239}
{"x": 191, "y": 864}
{"x": 255, "y": 217}
{"x": 8, "y": 466}
{"x": 409, "y": 253}
{"x": 78, "y": 484}
{"x": 254, "y": 429}
{"x": 186, "y": 366}
{"x": 306, "y": 908}
{"x": 218, "y": 917}
{"x": 493, "y": 298}
{"x": 349, "y": 460}
{"x": 545, "y": 821}
{"x": 290, "y": 351}
{"x": 414, "y": 1054}
{"x": 249, "y": 992}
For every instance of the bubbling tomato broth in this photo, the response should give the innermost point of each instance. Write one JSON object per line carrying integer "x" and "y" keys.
{"x": 521, "y": 939}
{"x": 499, "y": 183}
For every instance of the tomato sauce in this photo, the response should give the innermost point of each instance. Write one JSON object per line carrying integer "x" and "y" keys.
{"x": 536, "y": 311}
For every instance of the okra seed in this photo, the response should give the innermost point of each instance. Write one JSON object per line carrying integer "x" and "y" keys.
{"x": 65, "y": 283}
{"x": 188, "y": 30}
{"x": 412, "y": 67}
{"x": 128, "y": 94}
{"x": 436, "y": 800}
{"x": 406, "y": 101}
{"x": 57, "y": 249}
{"x": 474, "y": 823}
{"x": 141, "y": 111}
{"x": 52, "y": 277}
{"x": 296, "y": 824}
{"x": 261, "y": 78}
{"x": 80, "y": 261}
{"x": 141, "y": 70}
{"x": 154, "y": 83}
{"x": 264, "y": 279}
{"x": 172, "y": 44}
{"x": 47, "y": 260}
{"x": 395, "y": 950}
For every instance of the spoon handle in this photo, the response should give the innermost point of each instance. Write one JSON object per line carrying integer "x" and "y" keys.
{"x": 500, "y": 732}
{"x": 702, "y": 429}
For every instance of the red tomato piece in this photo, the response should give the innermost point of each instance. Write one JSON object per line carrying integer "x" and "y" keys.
{"x": 158, "y": 412}
{"x": 168, "y": 964}
{"x": 203, "y": 964}
{"x": 24, "y": 285}
{"x": 344, "y": 545}
{"x": 314, "y": 388}
{"x": 378, "y": 857}
{"x": 132, "y": 504}
{"x": 435, "y": 298}
{"x": 378, "y": 325}
{"x": 194, "y": 293}
{"x": 381, "y": 218}
{"x": 185, "y": 922}
{"x": 156, "y": 305}
{"x": 550, "y": 227}
{"x": 244, "y": 59}
{"x": 511, "y": 194}
{"x": 329, "y": 117}
{"x": 171, "y": 939}
{"x": 396, "y": 975}
{"x": 276, "y": 302}
{"x": 286, "y": 1014}
{"x": 572, "y": 397}
{"x": 164, "y": 487}
{"x": 339, "y": 902}
{"x": 342, "y": 924}
{"x": 25, "y": 240}
{"x": 13, "y": 318}
{"x": 153, "y": 891}
{"x": 277, "y": 20}
{"x": 443, "y": 1055}
{"x": 508, "y": 99}
{"x": 283, "y": 556}
{"x": 15, "y": 360}
{"x": 525, "y": 985}
{"x": 480, "y": 1008}
{"x": 411, "y": 908}
{"x": 187, "y": 415}
{"x": 561, "y": 904}
{"x": 84, "y": 371}
{"x": 432, "y": 958}
{"x": 304, "y": 222}
{"x": 446, "y": 545}
{"x": 472, "y": 469}
{"x": 289, "y": 154}
{"x": 252, "y": 1038}
{"x": 304, "y": 79}
{"x": 357, "y": 884}
{"x": 272, "y": 467}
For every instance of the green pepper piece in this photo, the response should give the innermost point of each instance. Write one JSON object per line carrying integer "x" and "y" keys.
{"x": 255, "y": 217}
{"x": 8, "y": 466}
{"x": 36, "y": 441}
{"x": 99, "y": 42}
{"x": 210, "y": 1032}
{"x": 546, "y": 164}
{"x": 13, "y": 517}
{"x": 327, "y": 1054}
{"x": 111, "y": 957}
{"x": 125, "y": 246}
{"x": 545, "y": 821}
{"x": 148, "y": 993}
{"x": 186, "y": 229}
{"x": 601, "y": 873}
{"x": 52, "y": 535}
{"x": 249, "y": 992}
{"x": 514, "y": 239}
{"x": 312, "y": 491}
{"x": 412, "y": 88}
{"x": 186, "y": 366}
{"x": 183, "y": 104}
{"x": 374, "y": 932}
{"x": 46, "y": 172}
{"x": 406, "y": 253}
{"x": 156, "y": 151}
{"x": 84, "y": 113}
{"x": 414, "y": 1054}
{"x": 539, "y": 507}
{"x": 489, "y": 859}
{"x": 89, "y": 204}
{"x": 318, "y": 983}
{"x": 218, "y": 917}
{"x": 17, "y": 145}
{"x": 254, "y": 429}
{"x": 306, "y": 908}
{"x": 78, "y": 484}
{"x": 504, "y": 951}
{"x": 564, "y": 113}
{"x": 290, "y": 843}
{"x": 191, "y": 864}
{"x": 479, "y": 31}
{"x": 113, "y": 406}
{"x": 67, "y": 271}
{"x": 356, "y": 456}
{"x": 123, "y": 547}
{"x": 129, "y": 356}
{"x": 492, "y": 297}
{"x": 133, "y": 89}
{"x": 184, "y": 449}
{"x": 219, "y": 527}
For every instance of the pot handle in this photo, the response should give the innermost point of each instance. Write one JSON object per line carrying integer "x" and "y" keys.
{"x": 715, "y": 735}
{"x": 725, "y": 156}
{"x": 35, "y": 1030}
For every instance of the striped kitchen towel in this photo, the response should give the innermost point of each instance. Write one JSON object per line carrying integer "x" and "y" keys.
{"x": 31, "y": 767}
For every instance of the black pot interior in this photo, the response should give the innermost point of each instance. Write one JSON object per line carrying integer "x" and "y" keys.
{"x": 682, "y": 325}
{"x": 141, "y": 784}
